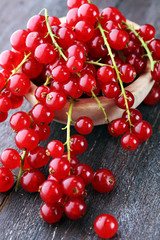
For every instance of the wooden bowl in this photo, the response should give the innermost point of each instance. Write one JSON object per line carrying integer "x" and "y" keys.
{"x": 89, "y": 107}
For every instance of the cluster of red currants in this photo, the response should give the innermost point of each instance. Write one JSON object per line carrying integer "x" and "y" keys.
{"x": 92, "y": 54}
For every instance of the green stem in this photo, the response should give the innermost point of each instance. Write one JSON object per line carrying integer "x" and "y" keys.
{"x": 117, "y": 72}
{"x": 47, "y": 82}
{"x": 53, "y": 36}
{"x": 144, "y": 44}
{"x": 100, "y": 106}
{"x": 21, "y": 170}
{"x": 96, "y": 63}
{"x": 68, "y": 127}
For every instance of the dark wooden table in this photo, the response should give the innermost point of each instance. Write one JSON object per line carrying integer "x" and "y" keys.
{"x": 135, "y": 198}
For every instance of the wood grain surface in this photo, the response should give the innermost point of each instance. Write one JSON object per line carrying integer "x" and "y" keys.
{"x": 135, "y": 199}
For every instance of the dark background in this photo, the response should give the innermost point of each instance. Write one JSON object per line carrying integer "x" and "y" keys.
{"x": 135, "y": 199}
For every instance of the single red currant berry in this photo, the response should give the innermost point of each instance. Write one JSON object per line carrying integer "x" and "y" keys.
{"x": 110, "y": 25}
{"x": 75, "y": 208}
{"x": 97, "y": 47}
{"x": 87, "y": 83}
{"x": 118, "y": 38}
{"x": 128, "y": 73}
{"x": 78, "y": 144}
{"x": 72, "y": 88}
{"x": 19, "y": 84}
{"x": 84, "y": 125}
{"x": 74, "y": 65}
{"x": 27, "y": 139}
{"x": 65, "y": 37}
{"x": 72, "y": 17}
{"x": 142, "y": 130}
{"x": 85, "y": 172}
{"x": 10, "y": 60}
{"x": 153, "y": 97}
{"x": 156, "y": 72}
{"x": 37, "y": 23}
{"x": 55, "y": 149}
{"x": 138, "y": 62}
{"x": 76, "y": 51}
{"x": 5, "y": 103}
{"x": 117, "y": 127}
{"x": 54, "y": 21}
{"x": 37, "y": 158}
{"x": 154, "y": 46}
{"x": 3, "y": 116}
{"x": 45, "y": 53}
{"x": 84, "y": 31}
{"x": 88, "y": 12}
{"x": 103, "y": 181}
{"x": 60, "y": 73}
{"x": 32, "y": 68}
{"x": 73, "y": 186}
{"x": 19, "y": 121}
{"x": 111, "y": 89}
{"x": 41, "y": 93}
{"x": 106, "y": 74}
{"x": 120, "y": 101}
{"x": 111, "y": 13}
{"x": 10, "y": 158}
{"x": 42, "y": 129}
{"x": 51, "y": 191}
{"x": 6, "y": 179}
{"x": 56, "y": 100}
{"x": 31, "y": 180}
{"x": 50, "y": 212}
{"x": 147, "y": 32}
{"x": 59, "y": 168}
{"x": 135, "y": 115}
{"x": 41, "y": 114}
{"x": 18, "y": 40}
{"x": 129, "y": 141}
{"x": 105, "y": 226}
{"x": 133, "y": 47}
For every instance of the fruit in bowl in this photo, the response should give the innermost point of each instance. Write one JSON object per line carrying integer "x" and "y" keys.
{"x": 88, "y": 69}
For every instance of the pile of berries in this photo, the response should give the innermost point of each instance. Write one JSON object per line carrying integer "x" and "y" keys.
{"x": 91, "y": 55}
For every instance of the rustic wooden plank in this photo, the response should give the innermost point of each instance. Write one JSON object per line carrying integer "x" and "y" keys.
{"x": 135, "y": 198}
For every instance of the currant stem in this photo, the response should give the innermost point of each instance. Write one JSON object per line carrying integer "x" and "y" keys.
{"x": 96, "y": 63}
{"x": 100, "y": 106}
{"x": 21, "y": 170}
{"x": 117, "y": 72}
{"x": 52, "y": 36}
{"x": 47, "y": 82}
{"x": 144, "y": 44}
{"x": 68, "y": 127}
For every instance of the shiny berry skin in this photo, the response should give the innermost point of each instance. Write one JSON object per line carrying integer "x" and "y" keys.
{"x": 103, "y": 180}
{"x": 84, "y": 31}
{"x": 42, "y": 129}
{"x": 153, "y": 97}
{"x": 37, "y": 158}
{"x": 45, "y": 53}
{"x": 55, "y": 149}
{"x": 31, "y": 180}
{"x": 88, "y": 12}
{"x": 129, "y": 141}
{"x": 84, "y": 125}
{"x": 75, "y": 208}
{"x": 105, "y": 226}
{"x": 51, "y": 212}
{"x": 133, "y": 47}
{"x": 16, "y": 101}
{"x": 138, "y": 62}
{"x": 56, "y": 100}
{"x": 74, "y": 65}
{"x": 18, "y": 39}
{"x": 142, "y": 130}
{"x": 50, "y": 177}
{"x": 2, "y": 81}
{"x": 27, "y": 139}
{"x": 72, "y": 17}
{"x": 41, "y": 114}
{"x": 117, "y": 127}
{"x": 156, "y": 72}
{"x": 76, "y": 51}
{"x": 85, "y": 172}
{"x": 128, "y": 73}
{"x": 147, "y": 32}
{"x": 87, "y": 83}
{"x": 111, "y": 13}
{"x": 32, "y": 68}
{"x": 120, "y": 102}
{"x": 33, "y": 40}
{"x": 109, "y": 25}
{"x": 19, "y": 84}
{"x": 78, "y": 144}
{"x": 54, "y": 21}
{"x": 5, "y": 104}
{"x": 66, "y": 37}
{"x": 59, "y": 168}
{"x": 10, "y": 158}
{"x": 41, "y": 93}
{"x": 154, "y": 46}
{"x": 118, "y": 38}
{"x": 88, "y": 69}
{"x": 37, "y": 24}
{"x": 26, "y": 166}
{"x": 97, "y": 47}
{"x": 105, "y": 74}
{"x": 6, "y": 179}
{"x": 72, "y": 88}
{"x": 10, "y": 60}
{"x": 135, "y": 116}
{"x": 73, "y": 186}
{"x": 19, "y": 121}
{"x": 60, "y": 73}
{"x": 111, "y": 89}
{"x": 73, "y": 159}
{"x": 75, "y": 4}
{"x": 51, "y": 191}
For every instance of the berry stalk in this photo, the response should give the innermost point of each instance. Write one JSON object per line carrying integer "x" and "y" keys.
{"x": 117, "y": 71}
{"x": 21, "y": 169}
{"x": 144, "y": 44}
{"x": 53, "y": 36}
